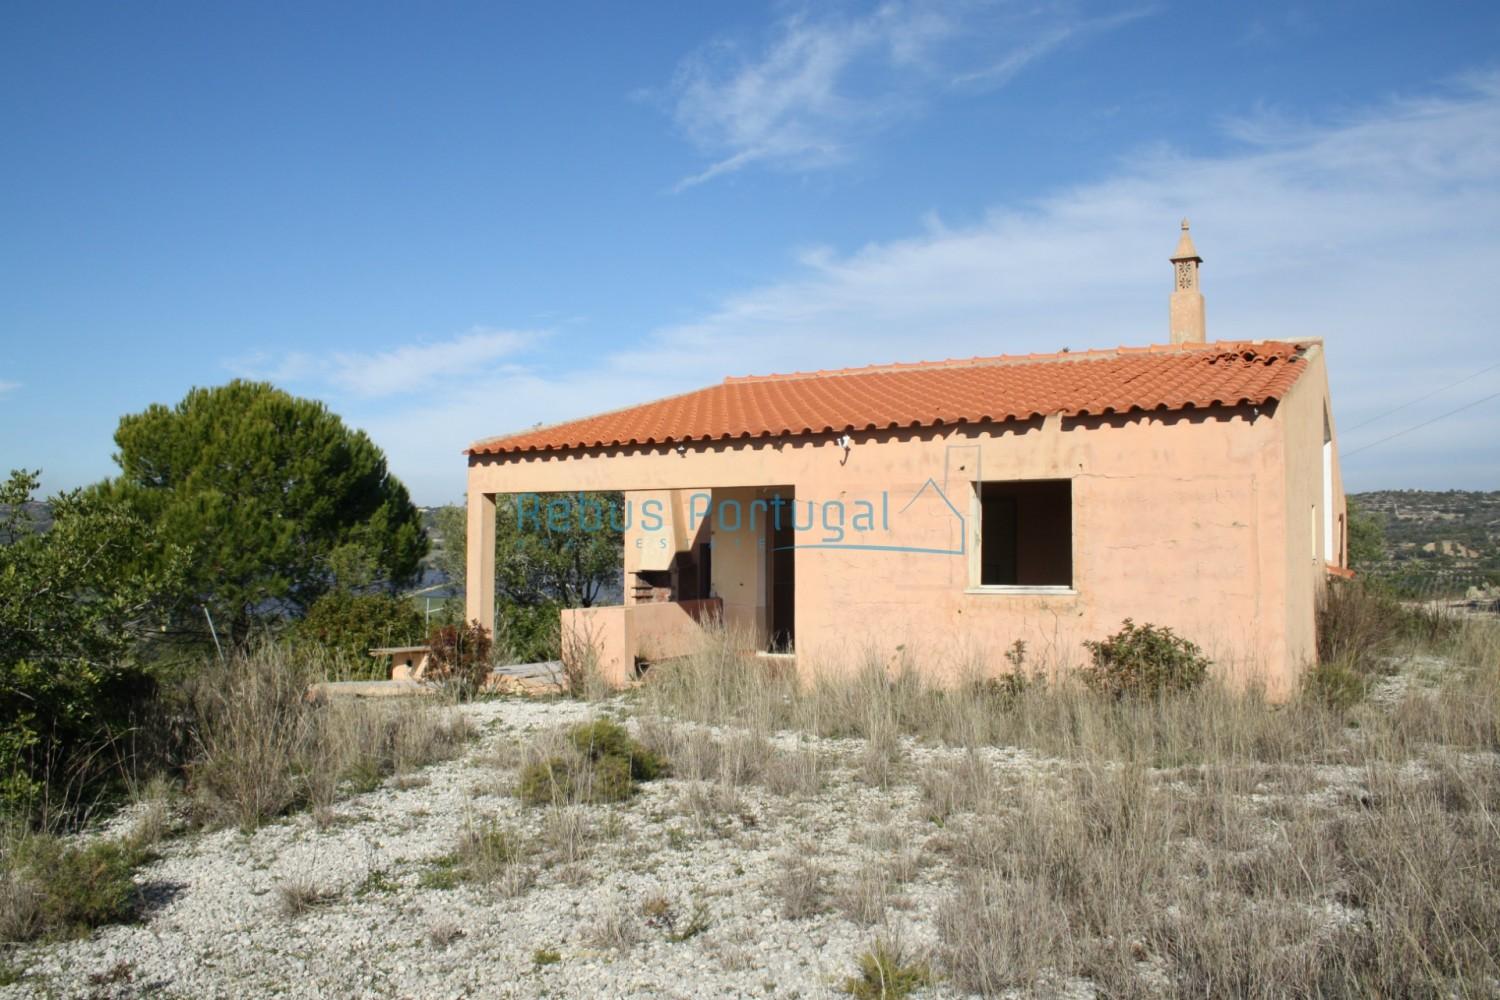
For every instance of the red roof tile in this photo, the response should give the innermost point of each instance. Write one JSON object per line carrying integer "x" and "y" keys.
{"x": 931, "y": 393}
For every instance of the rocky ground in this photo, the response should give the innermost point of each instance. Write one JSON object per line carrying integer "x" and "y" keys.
{"x": 684, "y": 891}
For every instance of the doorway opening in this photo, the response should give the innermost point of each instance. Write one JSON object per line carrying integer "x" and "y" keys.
{"x": 781, "y": 573}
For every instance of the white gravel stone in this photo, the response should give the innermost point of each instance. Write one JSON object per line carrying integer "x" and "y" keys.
{"x": 216, "y": 928}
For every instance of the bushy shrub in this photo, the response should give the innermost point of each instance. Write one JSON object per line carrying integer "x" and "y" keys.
{"x": 1144, "y": 660}
{"x": 461, "y": 656}
{"x": 604, "y": 738}
{"x": 605, "y": 765}
{"x": 547, "y": 782}
{"x": 55, "y": 888}
{"x": 75, "y": 601}
{"x": 350, "y": 625}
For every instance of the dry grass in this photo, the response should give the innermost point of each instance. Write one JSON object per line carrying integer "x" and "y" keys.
{"x": 616, "y": 927}
{"x": 299, "y": 895}
{"x": 1206, "y": 843}
{"x": 801, "y": 886}
{"x": 444, "y": 932}
{"x": 260, "y": 747}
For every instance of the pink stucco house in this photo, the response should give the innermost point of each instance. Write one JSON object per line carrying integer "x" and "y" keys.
{"x": 947, "y": 509}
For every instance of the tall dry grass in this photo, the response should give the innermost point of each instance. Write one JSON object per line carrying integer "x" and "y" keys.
{"x": 260, "y": 745}
{"x": 1207, "y": 843}
{"x": 719, "y": 684}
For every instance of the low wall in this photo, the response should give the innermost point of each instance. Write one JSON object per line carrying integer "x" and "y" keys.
{"x": 617, "y": 635}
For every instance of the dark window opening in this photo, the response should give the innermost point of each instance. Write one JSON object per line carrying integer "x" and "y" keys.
{"x": 1026, "y": 534}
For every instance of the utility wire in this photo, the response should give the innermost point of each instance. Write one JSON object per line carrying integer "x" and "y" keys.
{"x": 1413, "y": 427}
{"x": 1414, "y": 402}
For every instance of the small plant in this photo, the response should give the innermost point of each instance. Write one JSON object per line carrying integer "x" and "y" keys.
{"x": 615, "y": 928}
{"x": 376, "y": 882}
{"x": 697, "y": 923}
{"x": 802, "y": 888}
{"x": 545, "y": 956}
{"x": 10, "y": 974}
{"x": 442, "y": 875}
{"x": 443, "y": 933}
{"x": 658, "y": 911}
{"x": 661, "y": 915}
{"x": 484, "y": 854}
{"x": 121, "y": 972}
{"x": 300, "y": 895}
{"x": 547, "y": 782}
{"x": 886, "y": 974}
{"x": 1145, "y": 660}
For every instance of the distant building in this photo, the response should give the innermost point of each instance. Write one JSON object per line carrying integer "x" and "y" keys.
{"x": 947, "y": 509}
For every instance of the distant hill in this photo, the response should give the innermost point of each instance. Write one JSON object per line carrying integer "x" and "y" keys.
{"x": 1436, "y": 542}
{"x": 39, "y": 512}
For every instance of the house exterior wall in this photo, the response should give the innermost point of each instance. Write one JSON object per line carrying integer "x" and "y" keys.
{"x": 1183, "y": 519}
{"x": 1310, "y": 547}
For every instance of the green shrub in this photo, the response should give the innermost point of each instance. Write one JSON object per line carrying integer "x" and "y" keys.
{"x": 607, "y": 738}
{"x": 545, "y": 782}
{"x": 605, "y": 768}
{"x": 1145, "y": 660}
{"x": 58, "y": 889}
{"x": 350, "y": 625}
{"x": 609, "y": 779}
{"x": 75, "y": 604}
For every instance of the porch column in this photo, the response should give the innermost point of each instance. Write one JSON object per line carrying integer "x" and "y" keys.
{"x": 479, "y": 574}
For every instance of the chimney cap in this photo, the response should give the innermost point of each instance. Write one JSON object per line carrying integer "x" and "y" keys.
{"x": 1185, "y": 249}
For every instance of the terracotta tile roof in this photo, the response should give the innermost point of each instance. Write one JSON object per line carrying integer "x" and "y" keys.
{"x": 929, "y": 393}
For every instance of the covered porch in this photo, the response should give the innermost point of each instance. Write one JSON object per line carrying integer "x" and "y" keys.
{"x": 694, "y": 558}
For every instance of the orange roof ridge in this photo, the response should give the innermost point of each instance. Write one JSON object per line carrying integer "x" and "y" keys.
{"x": 1087, "y": 354}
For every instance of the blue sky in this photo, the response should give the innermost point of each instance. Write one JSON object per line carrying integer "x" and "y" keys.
{"x": 452, "y": 221}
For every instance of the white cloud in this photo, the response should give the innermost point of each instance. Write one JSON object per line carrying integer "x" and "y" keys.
{"x": 1377, "y": 233}
{"x": 8, "y": 386}
{"x": 821, "y": 82}
{"x": 1004, "y": 69}
{"x": 423, "y": 365}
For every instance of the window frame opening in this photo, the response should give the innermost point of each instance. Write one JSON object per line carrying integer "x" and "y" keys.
{"x": 1030, "y": 559}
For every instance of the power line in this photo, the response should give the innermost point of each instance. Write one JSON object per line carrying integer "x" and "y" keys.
{"x": 1414, "y": 402}
{"x": 1414, "y": 427}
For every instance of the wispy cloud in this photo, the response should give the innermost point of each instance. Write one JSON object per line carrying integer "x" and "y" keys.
{"x": 1050, "y": 39}
{"x": 8, "y": 386}
{"x": 822, "y": 81}
{"x": 1375, "y": 232}
{"x": 461, "y": 359}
